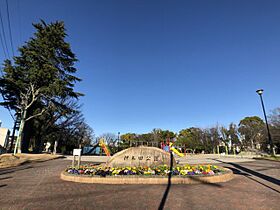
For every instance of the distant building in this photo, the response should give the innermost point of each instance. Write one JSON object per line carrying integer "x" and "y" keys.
{"x": 4, "y": 137}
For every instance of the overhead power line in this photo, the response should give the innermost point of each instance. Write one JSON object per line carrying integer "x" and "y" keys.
{"x": 3, "y": 46}
{"x": 4, "y": 36}
{"x": 9, "y": 25}
{"x": 19, "y": 21}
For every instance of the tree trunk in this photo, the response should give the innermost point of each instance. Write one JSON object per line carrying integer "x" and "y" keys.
{"x": 39, "y": 143}
{"x": 20, "y": 133}
{"x": 252, "y": 144}
{"x": 13, "y": 136}
{"x": 28, "y": 135}
{"x": 54, "y": 147}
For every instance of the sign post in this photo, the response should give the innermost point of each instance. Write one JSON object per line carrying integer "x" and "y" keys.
{"x": 77, "y": 153}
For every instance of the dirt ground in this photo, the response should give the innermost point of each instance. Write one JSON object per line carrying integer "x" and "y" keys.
{"x": 10, "y": 160}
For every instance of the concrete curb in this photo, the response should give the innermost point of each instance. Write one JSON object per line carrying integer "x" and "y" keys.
{"x": 148, "y": 180}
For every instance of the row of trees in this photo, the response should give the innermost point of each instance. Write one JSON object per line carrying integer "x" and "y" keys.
{"x": 38, "y": 86}
{"x": 249, "y": 134}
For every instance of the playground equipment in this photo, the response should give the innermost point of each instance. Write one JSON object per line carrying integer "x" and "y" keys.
{"x": 104, "y": 147}
{"x": 173, "y": 149}
{"x": 169, "y": 147}
{"x": 176, "y": 152}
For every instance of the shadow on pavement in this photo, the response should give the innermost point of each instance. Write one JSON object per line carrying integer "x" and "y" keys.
{"x": 251, "y": 172}
{"x": 236, "y": 171}
{"x": 265, "y": 169}
{"x": 163, "y": 200}
{"x": 11, "y": 170}
{"x": 8, "y": 177}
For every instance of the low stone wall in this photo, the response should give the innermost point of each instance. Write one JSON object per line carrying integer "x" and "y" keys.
{"x": 227, "y": 176}
{"x": 141, "y": 156}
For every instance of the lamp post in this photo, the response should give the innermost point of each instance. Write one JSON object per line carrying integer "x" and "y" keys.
{"x": 119, "y": 137}
{"x": 260, "y": 92}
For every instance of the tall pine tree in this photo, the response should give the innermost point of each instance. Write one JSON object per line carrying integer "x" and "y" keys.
{"x": 42, "y": 74}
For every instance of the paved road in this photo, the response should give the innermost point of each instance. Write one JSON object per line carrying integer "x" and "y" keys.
{"x": 37, "y": 186}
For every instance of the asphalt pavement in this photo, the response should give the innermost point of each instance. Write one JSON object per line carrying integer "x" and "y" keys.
{"x": 37, "y": 186}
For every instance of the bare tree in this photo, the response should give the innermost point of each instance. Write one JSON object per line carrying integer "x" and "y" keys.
{"x": 27, "y": 98}
{"x": 274, "y": 120}
{"x": 109, "y": 138}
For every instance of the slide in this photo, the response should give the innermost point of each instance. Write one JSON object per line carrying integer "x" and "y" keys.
{"x": 104, "y": 147}
{"x": 177, "y": 152}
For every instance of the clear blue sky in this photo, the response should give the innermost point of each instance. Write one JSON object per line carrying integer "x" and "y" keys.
{"x": 164, "y": 64}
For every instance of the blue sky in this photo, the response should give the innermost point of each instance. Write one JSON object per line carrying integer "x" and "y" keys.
{"x": 164, "y": 64}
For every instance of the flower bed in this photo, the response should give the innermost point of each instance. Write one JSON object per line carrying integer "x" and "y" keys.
{"x": 164, "y": 170}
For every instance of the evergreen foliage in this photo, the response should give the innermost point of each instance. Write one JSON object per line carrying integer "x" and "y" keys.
{"x": 41, "y": 76}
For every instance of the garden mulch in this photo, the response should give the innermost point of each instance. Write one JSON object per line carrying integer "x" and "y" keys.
{"x": 38, "y": 186}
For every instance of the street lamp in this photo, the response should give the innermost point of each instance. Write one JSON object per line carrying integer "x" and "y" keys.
{"x": 260, "y": 92}
{"x": 119, "y": 137}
